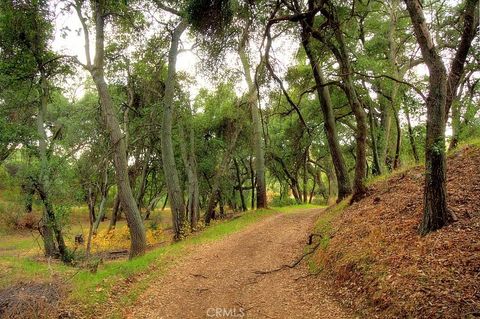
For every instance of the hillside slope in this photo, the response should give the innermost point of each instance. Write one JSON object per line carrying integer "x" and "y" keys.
{"x": 377, "y": 262}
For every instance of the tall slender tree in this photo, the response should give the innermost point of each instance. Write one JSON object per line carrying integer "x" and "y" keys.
{"x": 175, "y": 193}
{"x": 96, "y": 68}
{"x": 435, "y": 211}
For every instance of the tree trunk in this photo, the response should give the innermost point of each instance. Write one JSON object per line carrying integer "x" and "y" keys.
{"x": 383, "y": 133}
{"x": 322, "y": 189}
{"x": 91, "y": 198}
{"x": 252, "y": 181}
{"x": 343, "y": 180}
{"x": 305, "y": 177}
{"x": 240, "y": 185}
{"x": 258, "y": 140}
{"x": 312, "y": 192}
{"x": 55, "y": 228}
{"x": 143, "y": 179}
{"x": 112, "y": 126}
{"x": 165, "y": 202}
{"x": 398, "y": 144}
{"x": 332, "y": 187}
{"x": 220, "y": 173}
{"x": 102, "y": 209}
{"x": 50, "y": 229}
{"x": 392, "y": 57}
{"x": 359, "y": 188}
{"x": 151, "y": 206}
{"x": 411, "y": 137}
{"x": 45, "y": 230}
{"x": 293, "y": 181}
{"x": 470, "y": 27}
{"x": 177, "y": 203}
{"x": 134, "y": 220}
{"x": 115, "y": 212}
{"x": 377, "y": 168}
{"x": 190, "y": 163}
{"x": 456, "y": 123}
{"x": 435, "y": 212}
{"x": 346, "y": 70}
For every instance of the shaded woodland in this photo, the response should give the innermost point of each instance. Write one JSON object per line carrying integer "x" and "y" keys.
{"x": 289, "y": 102}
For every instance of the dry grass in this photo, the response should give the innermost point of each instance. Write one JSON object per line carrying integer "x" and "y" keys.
{"x": 30, "y": 300}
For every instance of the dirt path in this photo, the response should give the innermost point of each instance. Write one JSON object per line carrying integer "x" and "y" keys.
{"x": 219, "y": 280}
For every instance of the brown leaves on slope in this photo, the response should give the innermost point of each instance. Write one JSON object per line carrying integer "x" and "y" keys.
{"x": 379, "y": 263}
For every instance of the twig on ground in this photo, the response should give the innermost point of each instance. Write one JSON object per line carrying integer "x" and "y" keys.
{"x": 293, "y": 265}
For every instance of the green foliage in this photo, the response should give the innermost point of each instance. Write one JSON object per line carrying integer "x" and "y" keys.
{"x": 278, "y": 201}
{"x": 438, "y": 147}
{"x": 324, "y": 227}
{"x": 210, "y": 17}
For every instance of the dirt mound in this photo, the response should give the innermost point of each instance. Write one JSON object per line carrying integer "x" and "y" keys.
{"x": 30, "y": 300}
{"x": 377, "y": 261}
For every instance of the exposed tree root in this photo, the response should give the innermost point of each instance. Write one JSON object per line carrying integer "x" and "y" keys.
{"x": 296, "y": 262}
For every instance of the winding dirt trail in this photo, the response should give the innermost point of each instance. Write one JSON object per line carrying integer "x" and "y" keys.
{"x": 219, "y": 280}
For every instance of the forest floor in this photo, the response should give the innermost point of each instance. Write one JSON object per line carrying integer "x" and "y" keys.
{"x": 375, "y": 261}
{"x": 227, "y": 278}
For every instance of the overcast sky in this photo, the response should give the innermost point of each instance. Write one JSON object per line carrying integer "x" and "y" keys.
{"x": 73, "y": 44}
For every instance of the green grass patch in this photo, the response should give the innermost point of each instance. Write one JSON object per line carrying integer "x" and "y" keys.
{"x": 389, "y": 174}
{"x": 324, "y": 226}
{"x": 473, "y": 142}
{"x": 16, "y": 269}
{"x": 324, "y": 222}
{"x": 17, "y": 243}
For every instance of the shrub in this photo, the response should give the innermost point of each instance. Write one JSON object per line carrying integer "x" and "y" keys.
{"x": 280, "y": 202}
{"x": 13, "y": 217}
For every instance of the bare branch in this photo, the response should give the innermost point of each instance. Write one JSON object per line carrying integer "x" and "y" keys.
{"x": 396, "y": 80}
{"x": 78, "y": 8}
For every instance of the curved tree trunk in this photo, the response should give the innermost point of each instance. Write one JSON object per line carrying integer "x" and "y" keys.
{"x": 398, "y": 144}
{"x": 175, "y": 194}
{"x": 359, "y": 188}
{"x": 134, "y": 220}
{"x": 252, "y": 181}
{"x": 50, "y": 230}
{"x": 143, "y": 179}
{"x": 343, "y": 180}
{"x": 470, "y": 27}
{"x": 112, "y": 127}
{"x": 435, "y": 212}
